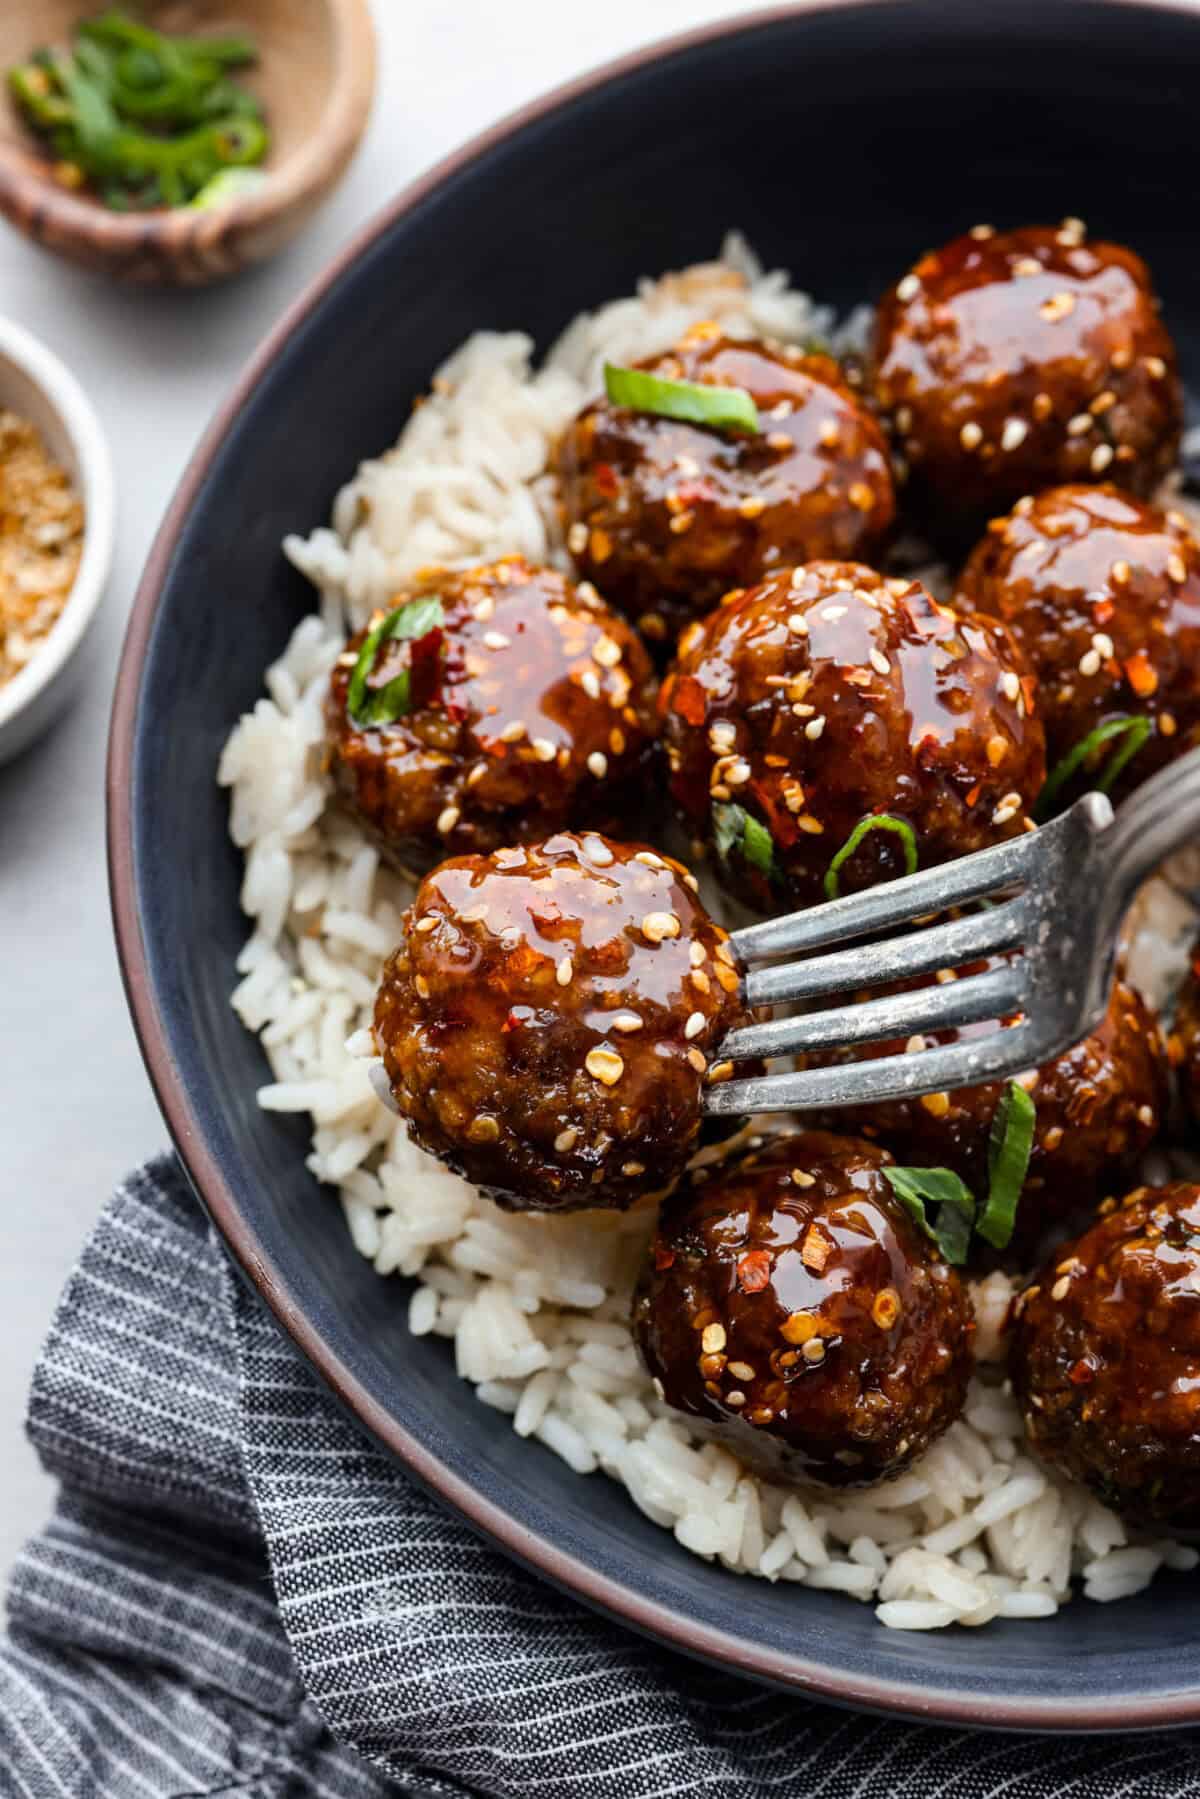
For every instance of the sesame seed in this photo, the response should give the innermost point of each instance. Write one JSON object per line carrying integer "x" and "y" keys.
{"x": 725, "y": 954}
{"x": 1058, "y": 306}
{"x": 814, "y": 727}
{"x": 543, "y": 749}
{"x": 649, "y": 859}
{"x": 904, "y": 418}
{"x": 598, "y": 764}
{"x": 982, "y": 231}
{"x": 428, "y": 923}
{"x": 1061, "y": 1288}
{"x": 1154, "y": 366}
{"x": 779, "y": 440}
{"x": 737, "y": 773}
{"x": 1010, "y": 685}
{"x": 1103, "y": 402}
{"x": 1120, "y": 572}
{"x": 828, "y": 433}
{"x": 1082, "y": 422}
{"x": 565, "y": 972}
{"x": 997, "y": 750}
{"x": 752, "y": 506}
{"x": 1167, "y": 724}
{"x": 606, "y": 652}
{"x": 697, "y": 955}
{"x": 802, "y": 1179}
{"x": 694, "y": 1025}
{"x": 627, "y": 1022}
{"x": 590, "y": 683}
{"x": 720, "y": 1071}
{"x": 736, "y": 1399}
{"x": 1027, "y": 265}
{"x": 722, "y": 736}
{"x": 908, "y": 288}
{"x": 860, "y": 496}
{"x": 814, "y": 1350}
{"x": 1053, "y": 1138}
{"x": 513, "y": 732}
{"x": 632, "y": 1169}
{"x": 422, "y": 986}
{"x": 1100, "y": 458}
{"x": 1146, "y": 1115}
{"x": 797, "y": 624}
{"x": 915, "y": 1044}
{"x": 1014, "y": 434}
{"x": 495, "y": 640}
{"x": 657, "y": 925}
{"x": 971, "y": 436}
{"x": 803, "y": 710}
{"x": 879, "y": 661}
{"x": 597, "y": 851}
{"x": 1176, "y": 569}
{"x": 698, "y": 1060}
{"x": 447, "y": 819}
{"x": 713, "y": 1339}
{"x": 566, "y": 1140}
{"x": 604, "y": 1065}
{"x": 936, "y": 1104}
{"x": 577, "y": 538}
{"x": 1102, "y": 642}
{"x": 1089, "y": 662}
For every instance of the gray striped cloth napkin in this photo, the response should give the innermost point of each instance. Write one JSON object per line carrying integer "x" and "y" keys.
{"x": 239, "y": 1595}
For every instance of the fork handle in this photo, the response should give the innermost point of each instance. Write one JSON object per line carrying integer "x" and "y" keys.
{"x": 1160, "y": 816}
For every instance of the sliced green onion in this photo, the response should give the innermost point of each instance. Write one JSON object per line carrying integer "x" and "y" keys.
{"x": 694, "y": 402}
{"x": 1134, "y": 731}
{"x": 384, "y": 705}
{"x": 229, "y": 184}
{"x": 874, "y": 821}
{"x": 918, "y": 1189}
{"x": 1009, "y": 1148}
{"x": 734, "y": 828}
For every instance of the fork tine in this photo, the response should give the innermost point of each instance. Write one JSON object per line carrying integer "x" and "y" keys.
{"x": 1000, "y": 1053}
{"x": 968, "y": 1001}
{"x": 892, "y": 903}
{"x": 874, "y": 965}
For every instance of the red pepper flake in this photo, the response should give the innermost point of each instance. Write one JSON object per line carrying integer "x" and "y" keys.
{"x": 663, "y": 1257}
{"x": 688, "y": 700}
{"x": 605, "y": 478}
{"x": 1103, "y": 610}
{"x": 754, "y": 1270}
{"x": 972, "y": 797}
{"x": 1029, "y": 689}
{"x": 1141, "y": 676}
{"x": 781, "y": 824}
{"x": 425, "y": 666}
{"x": 1082, "y": 1374}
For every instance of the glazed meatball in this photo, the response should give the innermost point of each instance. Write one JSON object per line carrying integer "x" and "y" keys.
{"x": 667, "y": 517}
{"x": 827, "y": 694}
{"x": 548, "y": 1021}
{"x": 792, "y": 1310}
{"x": 1105, "y": 1358}
{"x": 1010, "y": 361}
{"x": 1103, "y": 595}
{"x": 1099, "y": 1107}
{"x": 1184, "y": 1041}
{"x": 531, "y": 709}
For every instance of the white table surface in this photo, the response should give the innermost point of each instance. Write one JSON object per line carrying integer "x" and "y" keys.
{"x": 75, "y": 1106}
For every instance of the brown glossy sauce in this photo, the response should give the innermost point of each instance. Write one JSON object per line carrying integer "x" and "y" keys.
{"x": 665, "y": 517}
{"x": 792, "y": 1311}
{"x": 538, "y": 714}
{"x": 1012, "y": 361}
{"x": 1103, "y": 594}
{"x": 549, "y": 1021}
{"x": 828, "y": 693}
{"x": 1105, "y": 1358}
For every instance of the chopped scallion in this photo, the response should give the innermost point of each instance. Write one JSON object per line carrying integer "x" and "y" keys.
{"x": 366, "y": 706}
{"x": 1134, "y": 733}
{"x": 874, "y": 821}
{"x": 692, "y": 402}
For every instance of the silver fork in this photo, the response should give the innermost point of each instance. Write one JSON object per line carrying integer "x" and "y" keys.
{"x": 1056, "y": 896}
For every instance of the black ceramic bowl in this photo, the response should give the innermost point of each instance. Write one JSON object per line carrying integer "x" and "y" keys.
{"x": 844, "y": 139}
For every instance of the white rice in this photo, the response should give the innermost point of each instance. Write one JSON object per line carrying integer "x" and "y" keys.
{"x": 537, "y": 1307}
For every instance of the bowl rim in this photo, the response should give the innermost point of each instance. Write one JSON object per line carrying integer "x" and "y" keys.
{"x": 97, "y": 490}
{"x": 344, "y": 115}
{"x": 793, "y": 1672}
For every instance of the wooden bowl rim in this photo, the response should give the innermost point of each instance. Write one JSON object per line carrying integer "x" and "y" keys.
{"x": 74, "y": 218}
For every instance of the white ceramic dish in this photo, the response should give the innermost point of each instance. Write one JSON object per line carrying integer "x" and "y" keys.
{"x": 36, "y": 384}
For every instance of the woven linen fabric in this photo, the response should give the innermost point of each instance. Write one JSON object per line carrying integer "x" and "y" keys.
{"x": 238, "y": 1594}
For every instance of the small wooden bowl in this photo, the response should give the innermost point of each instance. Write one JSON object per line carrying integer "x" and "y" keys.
{"x": 315, "y": 77}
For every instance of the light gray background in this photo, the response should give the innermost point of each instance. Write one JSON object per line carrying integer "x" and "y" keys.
{"x": 75, "y": 1107}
